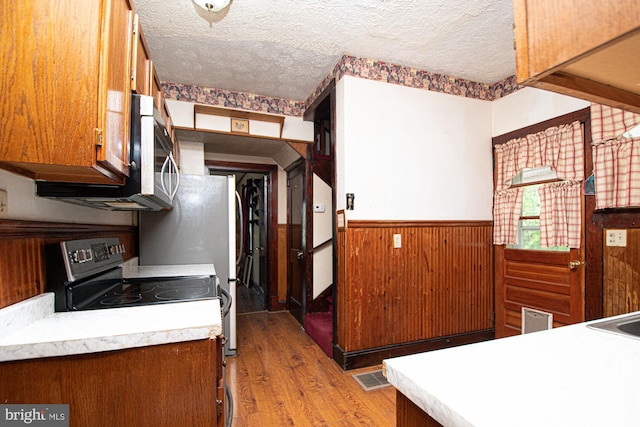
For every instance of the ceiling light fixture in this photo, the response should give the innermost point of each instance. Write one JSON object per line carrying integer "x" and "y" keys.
{"x": 212, "y": 5}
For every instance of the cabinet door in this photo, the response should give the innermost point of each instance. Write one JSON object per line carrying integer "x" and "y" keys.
{"x": 115, "y": 89}
{"x": 48, "y": 85}
{"x": 582, "y": 48}
{"x": 141, "y": 61}
{"x": 161, "y": 103}
{"x": 158, "y": 95}
{"x": 221, "y": 402}
{"x": 66, "y": 89}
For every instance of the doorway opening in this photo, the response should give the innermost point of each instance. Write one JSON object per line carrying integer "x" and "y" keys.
{"x": 256, "y": 234}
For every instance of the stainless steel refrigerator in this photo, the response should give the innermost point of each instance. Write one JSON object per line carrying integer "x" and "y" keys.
{"x": 200, "y": 229}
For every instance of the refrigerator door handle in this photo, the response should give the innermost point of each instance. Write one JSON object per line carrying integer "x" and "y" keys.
{"x": 239, "y": 200}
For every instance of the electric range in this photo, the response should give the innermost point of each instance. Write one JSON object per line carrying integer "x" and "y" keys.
{"x": 87, "y": 274}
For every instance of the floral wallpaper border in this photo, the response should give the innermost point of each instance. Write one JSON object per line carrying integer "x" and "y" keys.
{"x": 347, "y": 66}
{"x": 231, "y": 99}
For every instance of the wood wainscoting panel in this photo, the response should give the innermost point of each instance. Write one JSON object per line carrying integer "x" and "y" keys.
{"x": 438, "y": 283}
{"x": 621, "y": 275}
{"x": 22, "y": 273}
{"x": 22, "y": 264}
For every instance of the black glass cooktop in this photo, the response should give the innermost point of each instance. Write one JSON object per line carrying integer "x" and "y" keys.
{"x": 135, "y": 292}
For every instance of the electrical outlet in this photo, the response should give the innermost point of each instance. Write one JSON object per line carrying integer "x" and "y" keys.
{"x": 616, "y": 238}
{"x": 397, "y": 241}
{"x": 4, "y": 206}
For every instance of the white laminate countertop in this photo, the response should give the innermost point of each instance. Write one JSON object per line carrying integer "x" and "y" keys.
{"x": 568, "y": 376}
{"x": 31, "y": 329}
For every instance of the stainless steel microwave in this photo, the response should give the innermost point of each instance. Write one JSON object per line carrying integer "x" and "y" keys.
{"x": 153, "y": 176}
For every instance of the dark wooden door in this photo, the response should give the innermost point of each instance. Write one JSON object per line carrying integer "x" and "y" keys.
{"x": 296, "y": 290}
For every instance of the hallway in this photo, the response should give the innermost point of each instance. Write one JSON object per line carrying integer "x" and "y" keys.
{"x": 248, "y": 300}
{"x": 280, "y": 377}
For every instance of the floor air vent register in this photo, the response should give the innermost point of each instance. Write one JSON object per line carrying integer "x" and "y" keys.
{"x": 371, "y": 380}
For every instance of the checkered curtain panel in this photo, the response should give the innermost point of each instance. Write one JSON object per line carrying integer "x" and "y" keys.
{"x": 560, "y": 214}
{"x": 506, "y": 214}
{"x": 561, "y": 148}
{"x": 616, "y": 160}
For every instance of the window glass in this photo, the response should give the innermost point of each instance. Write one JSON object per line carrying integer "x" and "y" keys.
{"x": 529, "y": 224}
{"x": 531, "y": 201}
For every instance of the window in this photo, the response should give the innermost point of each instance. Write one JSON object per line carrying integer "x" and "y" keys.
{"x": 529, "y": 224}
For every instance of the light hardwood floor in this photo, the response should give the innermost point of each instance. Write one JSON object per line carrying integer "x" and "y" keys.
{"x": 280, "y": 377}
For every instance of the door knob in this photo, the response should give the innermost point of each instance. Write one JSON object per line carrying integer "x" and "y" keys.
{"x": 300, "y": 254}
{"x": 574, "y": 265}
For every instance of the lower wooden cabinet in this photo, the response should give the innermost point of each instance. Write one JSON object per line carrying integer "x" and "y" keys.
{"x": 410, "y": 414}
{"x": 169, "y": 385}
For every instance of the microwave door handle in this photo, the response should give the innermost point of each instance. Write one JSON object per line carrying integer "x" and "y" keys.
{"x": 177, "y": 183}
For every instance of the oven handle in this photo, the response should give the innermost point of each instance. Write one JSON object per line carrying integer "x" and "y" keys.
{"x": 226, "y": 299}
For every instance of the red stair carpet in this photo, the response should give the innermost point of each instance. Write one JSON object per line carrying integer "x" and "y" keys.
{"x": 319, "y": 326}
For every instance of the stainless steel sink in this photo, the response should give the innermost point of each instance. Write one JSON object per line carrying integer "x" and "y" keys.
{"x": 628, "y": 326}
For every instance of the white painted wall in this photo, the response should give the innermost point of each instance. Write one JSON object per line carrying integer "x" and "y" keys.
{"x": 322, "y": 232}
{"x": 23, "y": 204}
{"x": 412, "y": 154}
{"x": 529, "y": 106}
{"x": 192, "y": 158}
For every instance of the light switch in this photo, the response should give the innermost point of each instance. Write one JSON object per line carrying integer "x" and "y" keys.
{"x": 397, "y": 241}
{"x": 616, "y": 238}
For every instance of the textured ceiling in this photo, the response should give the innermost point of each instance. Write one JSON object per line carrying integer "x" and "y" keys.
{"x": 285, "y": 48}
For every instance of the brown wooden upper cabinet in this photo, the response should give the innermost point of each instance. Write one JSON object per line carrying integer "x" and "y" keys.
{"x": 583, "y": 48}
{"x": 141, "y": 75}
{"x": 66, "y": 85}
{"x": 158, "y": 98}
